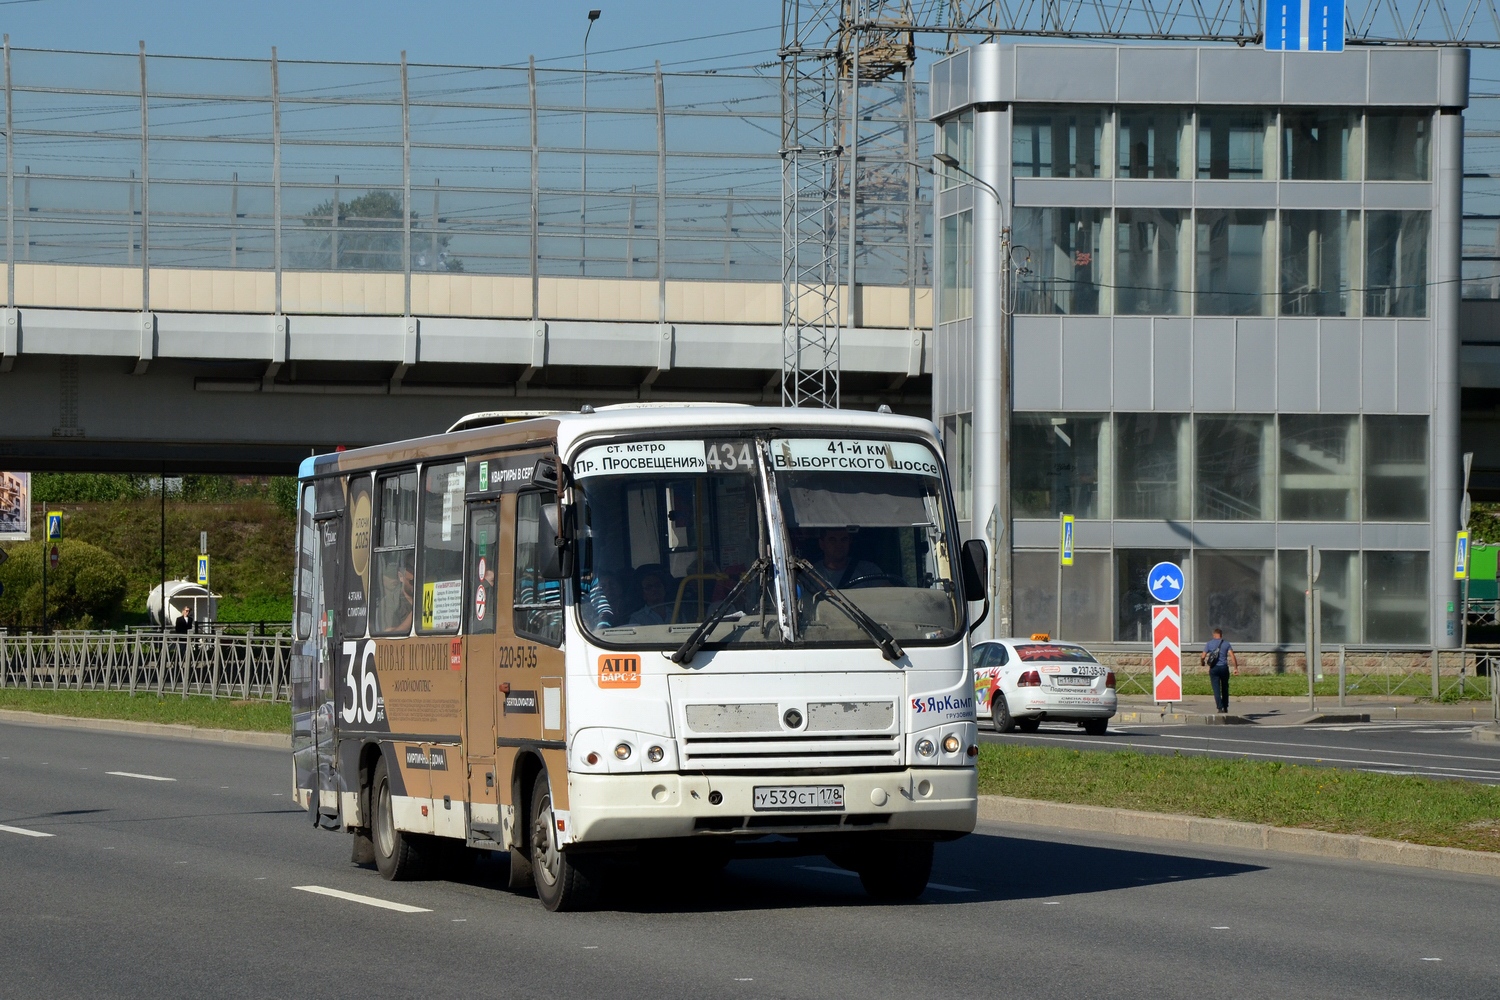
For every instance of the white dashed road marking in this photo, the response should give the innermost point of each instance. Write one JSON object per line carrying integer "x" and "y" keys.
{"x": 143, "y": 777}
{"x": 24, "y": 832}
{"x": 384, "y": 904}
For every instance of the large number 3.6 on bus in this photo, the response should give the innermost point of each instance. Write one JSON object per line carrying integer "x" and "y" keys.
{"x": 666, "y": 633}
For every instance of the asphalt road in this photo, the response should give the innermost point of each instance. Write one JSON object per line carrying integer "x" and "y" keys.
{"x": 1429, "y": 749}
{"x": 188, "y": 887}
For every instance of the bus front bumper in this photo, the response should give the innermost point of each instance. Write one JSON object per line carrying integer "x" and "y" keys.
{"x": 616, "y": 807}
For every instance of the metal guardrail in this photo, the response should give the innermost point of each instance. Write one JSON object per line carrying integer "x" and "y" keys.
{"x": 214, "y": 666}
{"x": 1439, "y": 674}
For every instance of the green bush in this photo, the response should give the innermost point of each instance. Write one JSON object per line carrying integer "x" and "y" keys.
{"x": 85, "y": 591}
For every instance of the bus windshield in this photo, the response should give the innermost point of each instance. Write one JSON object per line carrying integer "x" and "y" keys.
{"x": 675, "y": 532}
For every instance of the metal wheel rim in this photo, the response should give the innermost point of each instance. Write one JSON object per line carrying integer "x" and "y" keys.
{"x": 385, "y": 832}
{"x": 544, "y": 844}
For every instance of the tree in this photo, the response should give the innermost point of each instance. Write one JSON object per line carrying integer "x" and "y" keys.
{"x": 368, "y": 237}
{"x": 84, "y": 591}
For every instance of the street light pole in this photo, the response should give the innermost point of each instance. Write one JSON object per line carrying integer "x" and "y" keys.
{"x": 583, "y": 153}
{"x": 992, "y": 354}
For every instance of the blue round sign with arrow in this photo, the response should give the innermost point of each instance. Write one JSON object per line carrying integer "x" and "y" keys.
{"x": 1165, "y": 582}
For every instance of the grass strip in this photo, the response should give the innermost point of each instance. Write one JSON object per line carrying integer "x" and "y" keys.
{"x": 1419, "y": 810}
{"x": 223, "y": 713}
{"x": 1295, "y": 686}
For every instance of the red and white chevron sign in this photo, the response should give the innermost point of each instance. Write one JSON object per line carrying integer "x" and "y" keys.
{"x": 1166, "y": 657}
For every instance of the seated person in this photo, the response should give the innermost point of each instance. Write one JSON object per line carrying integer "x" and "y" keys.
{"x": 835, "y": 566}
{"x": 604, "y": 604}
{"x": 657, "y": 594}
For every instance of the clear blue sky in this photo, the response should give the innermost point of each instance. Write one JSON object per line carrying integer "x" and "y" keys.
{"x": 469, "y": 32}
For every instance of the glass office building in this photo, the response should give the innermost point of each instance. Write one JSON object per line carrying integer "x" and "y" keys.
{"x": 1234, "y": 285}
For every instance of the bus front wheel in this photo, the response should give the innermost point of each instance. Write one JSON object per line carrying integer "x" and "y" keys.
{"x": 561, "y": 883}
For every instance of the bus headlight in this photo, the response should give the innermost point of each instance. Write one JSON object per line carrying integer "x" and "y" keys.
{"x": 951, "y": 743}
{"x": 622, "y": 751}
{"x": 925, "y": 747}
{"x": 655, "y": 754}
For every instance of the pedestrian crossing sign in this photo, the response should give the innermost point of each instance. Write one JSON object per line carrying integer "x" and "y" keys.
{"x": 203, "y": 571}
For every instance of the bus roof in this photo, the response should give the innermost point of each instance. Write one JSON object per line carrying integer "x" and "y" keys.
{"x": 567, "y": 429}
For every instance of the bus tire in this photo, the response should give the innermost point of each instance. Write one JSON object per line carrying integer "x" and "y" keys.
{"x": 1000, "y": 715}
{"x": 896, "y": 872}
{"x": 396, "y": 854}
{"x": 562, "y": 884}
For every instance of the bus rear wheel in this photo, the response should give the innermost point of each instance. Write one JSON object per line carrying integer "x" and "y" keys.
{"x": 396, "y": 853}
{"x": 561, "y": 882}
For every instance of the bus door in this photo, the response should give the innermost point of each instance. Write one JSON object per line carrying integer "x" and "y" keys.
{"x": 482, "y": 695}
{"x": 330, "y": 527}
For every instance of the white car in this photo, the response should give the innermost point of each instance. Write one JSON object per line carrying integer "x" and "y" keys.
{"x": 1020, "y": 682}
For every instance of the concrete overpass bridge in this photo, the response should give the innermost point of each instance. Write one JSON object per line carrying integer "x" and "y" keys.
{"x": 208, "y": 386}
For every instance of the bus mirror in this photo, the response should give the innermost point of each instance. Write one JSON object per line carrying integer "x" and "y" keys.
{"x": 976, "y": 570}
{"x": 556, "y": 552}
{"x": 544, "y": 473}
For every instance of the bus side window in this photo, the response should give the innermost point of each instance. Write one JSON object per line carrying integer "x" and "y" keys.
{"x": 484, "y": 538}
{"x": 440, "y": 570}
{"x": 307, "y": 547}
{"x": 394, "y": 583}
{"x": 538, "y": 602}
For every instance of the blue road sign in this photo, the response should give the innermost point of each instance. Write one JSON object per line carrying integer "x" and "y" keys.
{"x": 1165, "y": 582}
{"x": 1304, "y": 26}
{"x": 54, "y": 525}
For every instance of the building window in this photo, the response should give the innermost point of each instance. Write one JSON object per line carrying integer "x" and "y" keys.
{"x": 956, "y": 138}
{"x": 956, "y": 290}
{"x": 1319, "y": 145}
{"x": 1396, "y": 604}
{"x": 1235, "y": 458}
{"x": 1150, "y": 276}
{"x": 1236, "y": 592}
{"x": 1319, "y": 468}
{"x": 1055, "y": 465}
{"x": 1061, "y": 251}
{"x": 1399, "y": 146}
{"x": 1133, "y": 609}
{"x": 957, "y": 431}
{"x": 394, "y": 589}
{"x": 1234, "y": 143}
{"x": 1236, "y": 252}
{"x": 1396, "y": 468}
{"x": 1316, "y": 259}
{"x": 1086, "y": 586}
{"x": 441, "y": 567}
{"x": 1150, "y": 142}
{"x": 1338, "y": 582}
{"x": 537, "y": 604}
{"x": 1056, "y": 142}
{"x": 1151, "y": 466}
{"x": 1396, "y": 263}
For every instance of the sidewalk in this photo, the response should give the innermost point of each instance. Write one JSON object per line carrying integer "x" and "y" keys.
{"x": 1198, "y": 710}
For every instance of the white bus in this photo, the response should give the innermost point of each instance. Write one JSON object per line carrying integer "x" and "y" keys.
{"x": 674, "y": 635}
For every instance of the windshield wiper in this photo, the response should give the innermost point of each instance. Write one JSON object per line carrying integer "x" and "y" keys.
{"x": 685, "y": 653}
{"x": 889, "y": 647}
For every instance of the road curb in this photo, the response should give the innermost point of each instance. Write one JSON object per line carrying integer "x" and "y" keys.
{"x": 1486, "y": 734}
{"x": 1234, "y": 834}
{"x": 279, "y": 741}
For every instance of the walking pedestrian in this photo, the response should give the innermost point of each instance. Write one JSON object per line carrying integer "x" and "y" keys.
{"x": 1218, "y": 654}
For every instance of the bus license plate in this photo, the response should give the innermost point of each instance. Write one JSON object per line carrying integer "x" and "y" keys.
{"x": 799, "y": 797}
